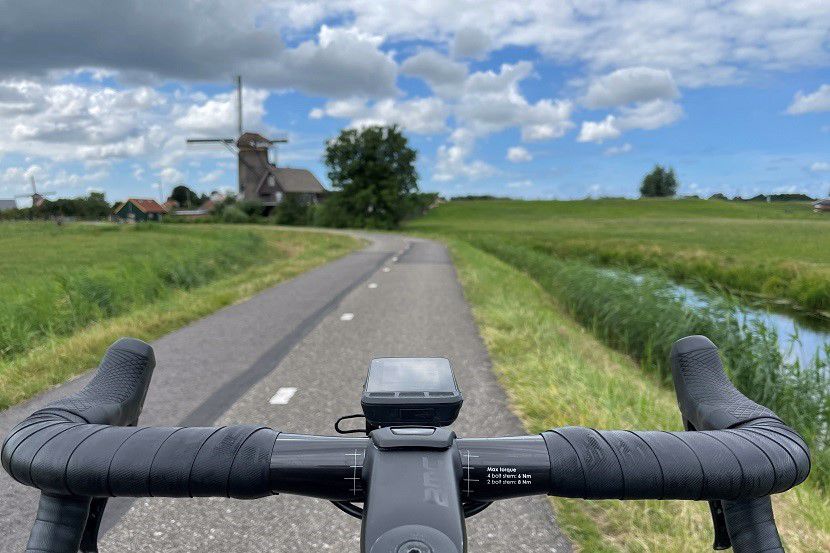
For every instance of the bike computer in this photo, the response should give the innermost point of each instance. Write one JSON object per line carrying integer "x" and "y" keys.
{"x": 410, "y": 391}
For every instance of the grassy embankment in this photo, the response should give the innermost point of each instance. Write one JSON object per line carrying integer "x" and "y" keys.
{"x": 70, "y": 291}
{"x": 644, "y": 319}
{"x": 526, "y": 297}
{"x": 778, "y": 250}
{"x": 557, "y": 374}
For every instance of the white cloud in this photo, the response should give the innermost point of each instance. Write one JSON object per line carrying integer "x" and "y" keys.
{"x": 520, "y": 184}
{"x": 518, "y": 154}
{"x": 418, "y": 115}
{"x": 217, "y": 115}
{"x": 820, "y": 167}
{"x": 484, "y": 102}
{"x": 618, "y": 150}
{"x": 699, "y": 41}
{"x": 444, "y": 75}
{"x": 599, "y": 131}
{"x": 48, "y": 179}
{"x": 70, "y": 121}
{"x": 16, "y": 179}
{"x": 470, "y": 42}
{"x": 815, "y": 101}
{"x": 647, "y": 116}
{"x": 343, "y": 62}
{"x": 546, "y": 119}
{"x": 632, "y": 84}
{"x": 492, "y": 102}
{"x": 453, "y": 160}
{"x": 212, "y": 176}
{"x": 171, "y": 175}
{"x": 99, "y": 125}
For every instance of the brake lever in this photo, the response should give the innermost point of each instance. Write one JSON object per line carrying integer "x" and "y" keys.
{"x": 89, "y": 539}
{"x": 722, "y": 539}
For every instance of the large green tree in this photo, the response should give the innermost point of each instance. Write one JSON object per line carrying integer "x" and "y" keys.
{"x": 185, "y": 197}
{"x": 659, "y": 183}
{"x": 372, "y": 171}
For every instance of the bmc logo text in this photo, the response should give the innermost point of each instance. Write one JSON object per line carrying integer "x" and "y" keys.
{"x": 433, "y": 490}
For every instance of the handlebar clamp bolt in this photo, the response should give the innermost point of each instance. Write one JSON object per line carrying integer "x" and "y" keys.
{"x": 414, "y": 546}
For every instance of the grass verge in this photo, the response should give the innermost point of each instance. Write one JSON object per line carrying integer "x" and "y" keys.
{"x": 644, "y": 318}
{"x": 57, "y": 280}
{"x": 56, "y": 358}
{"x": 557, "y": 374}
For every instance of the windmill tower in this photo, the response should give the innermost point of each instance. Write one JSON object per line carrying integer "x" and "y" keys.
{"x": 256, "y": 172}
{"x": 37, "y": 197}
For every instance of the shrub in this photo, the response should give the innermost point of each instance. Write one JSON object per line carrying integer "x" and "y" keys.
{"x": 233, "y": 214}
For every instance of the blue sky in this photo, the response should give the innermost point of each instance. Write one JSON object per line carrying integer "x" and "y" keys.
{"x": 542, "y": 99}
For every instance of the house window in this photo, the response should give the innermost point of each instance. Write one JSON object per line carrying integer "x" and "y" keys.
{"x": 279, "y": 197}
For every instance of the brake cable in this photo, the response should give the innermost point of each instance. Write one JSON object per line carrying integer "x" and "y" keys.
{"x": 353, "y": 431}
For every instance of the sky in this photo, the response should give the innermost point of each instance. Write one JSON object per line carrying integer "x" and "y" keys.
{"x": 533, "y": 99}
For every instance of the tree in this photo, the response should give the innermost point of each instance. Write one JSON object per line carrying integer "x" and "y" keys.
{"x": 373, "y": 173}
{"x": 92, "y": 207}
{"x": 185, "y": 197}
{"x": 659, "y": 183}
{"x": 292, "y": 211}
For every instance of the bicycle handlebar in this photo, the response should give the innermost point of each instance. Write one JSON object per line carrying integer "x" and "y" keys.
{"x": 72, "y": 450}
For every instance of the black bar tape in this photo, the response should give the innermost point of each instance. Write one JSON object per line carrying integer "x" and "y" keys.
{"x": 116, "y": 393}
{"x": 59, "y": 524}
{"x": 755, "y": 460}
{"x": 709, "y": 401}
{"x": 90, "y": 460}
{"x": 751, "y": 526}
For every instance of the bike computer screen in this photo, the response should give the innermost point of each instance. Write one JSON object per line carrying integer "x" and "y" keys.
{"x": 410, "y": 391}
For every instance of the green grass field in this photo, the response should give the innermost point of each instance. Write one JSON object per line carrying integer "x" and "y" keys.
{"x": 69, "y": 291}
{"x": 530, "y": 271}
{"x": 778, "y": 250}
{"x": 558, "y": 374}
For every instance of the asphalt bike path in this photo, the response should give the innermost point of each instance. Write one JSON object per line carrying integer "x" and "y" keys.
{"x": 294, "y": 358}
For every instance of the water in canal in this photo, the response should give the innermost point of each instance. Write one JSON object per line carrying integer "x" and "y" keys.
{"x": 801, "y": 337}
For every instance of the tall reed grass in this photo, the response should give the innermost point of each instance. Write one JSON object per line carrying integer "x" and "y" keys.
{"x": 58, "y": 304}
{"x": 643, "y": 317}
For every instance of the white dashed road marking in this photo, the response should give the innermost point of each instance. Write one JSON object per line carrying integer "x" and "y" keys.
{"x": 347, "y": 316}
{"x": 386, "y": 269}
{"x": 282, "y": 396}
{"x": 373, "y": 285}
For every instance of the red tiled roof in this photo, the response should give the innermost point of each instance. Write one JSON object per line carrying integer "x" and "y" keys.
{"x": 145, "y": 205}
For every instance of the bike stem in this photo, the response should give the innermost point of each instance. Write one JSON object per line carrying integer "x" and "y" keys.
{"x": 412, "y": 475}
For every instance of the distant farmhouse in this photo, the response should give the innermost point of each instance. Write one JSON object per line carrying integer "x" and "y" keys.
{"x": 204, "y": 210}
{"x": 6, "y": 205}
{"x": 138, "y": 210}
{"x": 822, "y": 205}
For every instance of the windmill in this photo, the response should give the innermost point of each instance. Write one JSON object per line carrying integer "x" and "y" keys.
{"x": 37, "y": 197}
{"x": 256, "y": 172}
